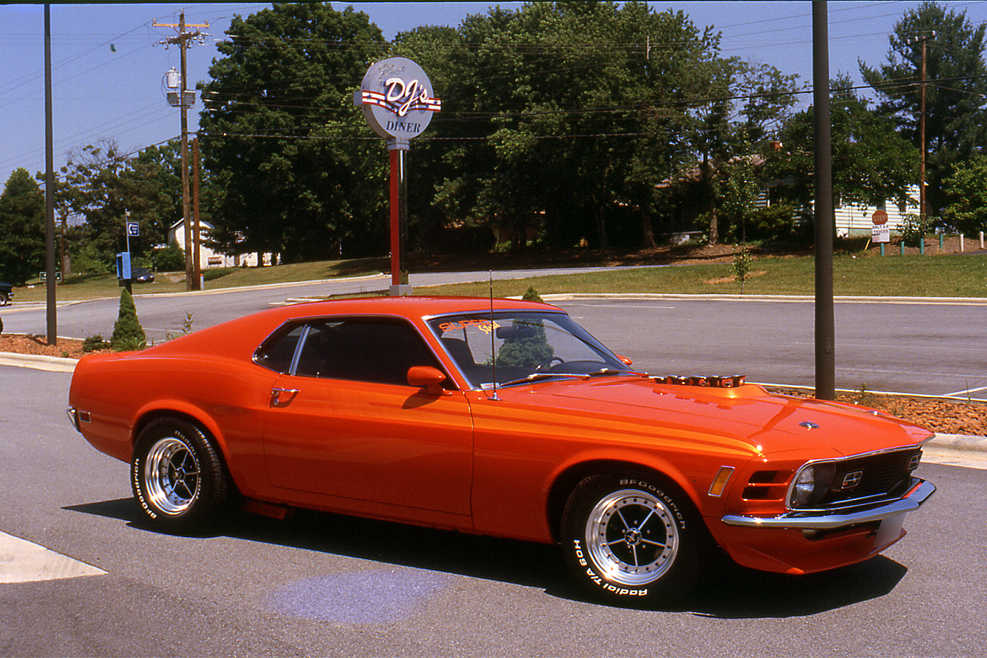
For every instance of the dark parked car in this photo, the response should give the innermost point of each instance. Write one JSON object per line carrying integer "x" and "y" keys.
{"x": 6, "y": 292}
{"x": 142, "y": 275}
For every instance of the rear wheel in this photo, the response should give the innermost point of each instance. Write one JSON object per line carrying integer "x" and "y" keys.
{"x": 178, "y": 478}
{"x": 632, "y": 538}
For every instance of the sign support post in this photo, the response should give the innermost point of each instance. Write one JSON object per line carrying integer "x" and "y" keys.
{"x": 396, "y": 101}
{"x": 399, "y": 217}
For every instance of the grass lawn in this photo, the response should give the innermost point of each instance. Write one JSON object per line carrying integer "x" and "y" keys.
{"x": 105, "y": 285}
{"x": 908, "y": 276}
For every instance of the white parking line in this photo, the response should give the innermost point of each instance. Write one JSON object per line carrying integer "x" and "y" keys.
{"x": 23, "y": 562}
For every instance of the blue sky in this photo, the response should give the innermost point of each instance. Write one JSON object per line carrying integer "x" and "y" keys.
{"x": 108, "y": 64}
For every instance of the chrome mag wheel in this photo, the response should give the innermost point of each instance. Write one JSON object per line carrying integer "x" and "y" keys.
{"x": 171, "y": 472}
{"x": 631, "y": 537}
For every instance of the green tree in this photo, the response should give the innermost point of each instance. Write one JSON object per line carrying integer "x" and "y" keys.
{"x": 966, "y": 192}
{"x": 283, "y": 140}
{"x": 562, "y": 119}
{"x": 872, "y": 163}
{"x": 740, "y": 190}
{"x": 22, "y": 228}
{"x": 102, "y": 185}
{"x": 955, "y": 93}
{"x": 741, "y": 106}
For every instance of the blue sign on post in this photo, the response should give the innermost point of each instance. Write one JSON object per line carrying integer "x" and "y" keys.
{"x": 133, "y": 229}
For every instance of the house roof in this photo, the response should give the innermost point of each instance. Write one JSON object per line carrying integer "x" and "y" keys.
{"x": 181, "y": 222}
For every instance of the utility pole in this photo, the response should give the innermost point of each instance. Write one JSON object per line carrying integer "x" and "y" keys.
{"x": 182, "y": 39}
{"x": 921, "y": 132}
{"x": 196, "y": 238}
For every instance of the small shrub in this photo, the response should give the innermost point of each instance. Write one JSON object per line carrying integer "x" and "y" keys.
{"x": 913, "y": 229}
{"x": 778, "y": 224}
{"x": 170, "y": 259}
{"x": 185, "y": 330}
{"x": 94, "y": 343}
{"x": 742, "y": 266}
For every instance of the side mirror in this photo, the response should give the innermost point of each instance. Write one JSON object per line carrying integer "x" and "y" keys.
{"x": 428, "y": 378}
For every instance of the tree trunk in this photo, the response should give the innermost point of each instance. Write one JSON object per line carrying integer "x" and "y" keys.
{"x": 649, "y": 235}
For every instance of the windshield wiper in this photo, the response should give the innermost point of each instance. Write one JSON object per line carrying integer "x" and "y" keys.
{"x": 602, "y": 372}
{"x": 536, "y": 376}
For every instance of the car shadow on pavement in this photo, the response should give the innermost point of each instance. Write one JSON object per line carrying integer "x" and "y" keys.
{"x": 728, "y": 591}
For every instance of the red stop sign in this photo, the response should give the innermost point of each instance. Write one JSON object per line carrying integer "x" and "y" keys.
{"x": 879, "y": 217}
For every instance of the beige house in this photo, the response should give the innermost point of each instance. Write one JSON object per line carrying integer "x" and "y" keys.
{"x": 207, "y": 257}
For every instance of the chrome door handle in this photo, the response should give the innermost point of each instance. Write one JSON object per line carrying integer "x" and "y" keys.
{"x": 282, "y": 397}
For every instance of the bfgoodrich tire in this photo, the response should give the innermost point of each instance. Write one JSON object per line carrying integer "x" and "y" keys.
{"x": 178, "y": 478}
{"x": 632, "y": 538}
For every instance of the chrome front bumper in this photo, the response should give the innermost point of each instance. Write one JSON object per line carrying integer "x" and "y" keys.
{"x": 832, "y": 519}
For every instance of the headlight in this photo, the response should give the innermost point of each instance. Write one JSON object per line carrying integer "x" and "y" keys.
{"x": 805, "y": 484}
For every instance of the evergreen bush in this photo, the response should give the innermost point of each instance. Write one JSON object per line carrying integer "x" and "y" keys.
{"x": 531, "y": 295}
{"x": 128, "y": 335}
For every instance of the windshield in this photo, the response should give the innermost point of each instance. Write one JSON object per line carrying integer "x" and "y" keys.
{"x": 526, "y": 345}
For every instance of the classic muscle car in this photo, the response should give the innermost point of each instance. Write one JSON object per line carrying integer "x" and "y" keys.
{"x": 501, "y": 418}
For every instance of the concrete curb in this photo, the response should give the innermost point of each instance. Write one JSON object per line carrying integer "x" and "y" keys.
{"x": 959, "y": 442}
{"x": 38, "y": 362}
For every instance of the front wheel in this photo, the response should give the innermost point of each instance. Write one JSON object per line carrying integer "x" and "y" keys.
{"x": 632, "y": 538}
{"x": 178, "y": 478}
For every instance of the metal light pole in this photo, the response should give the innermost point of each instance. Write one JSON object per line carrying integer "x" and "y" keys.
{"x": 825, "y": 335}
{"x": 52, "y": 322}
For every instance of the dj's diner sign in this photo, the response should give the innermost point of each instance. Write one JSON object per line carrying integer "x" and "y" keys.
{"x": 397, "y": 100}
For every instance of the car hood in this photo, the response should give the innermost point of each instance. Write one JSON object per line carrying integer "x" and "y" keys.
{"x": 769, "y": 424}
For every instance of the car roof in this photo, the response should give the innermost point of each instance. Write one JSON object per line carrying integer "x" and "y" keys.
{"x": 243, "y": 335}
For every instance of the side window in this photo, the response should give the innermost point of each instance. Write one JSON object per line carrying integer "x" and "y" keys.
{"x": 278, "y": 353}
{"x": 363, "y": 350}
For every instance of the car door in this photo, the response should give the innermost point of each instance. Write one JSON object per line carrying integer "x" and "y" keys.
{"x": 344, "y": 422}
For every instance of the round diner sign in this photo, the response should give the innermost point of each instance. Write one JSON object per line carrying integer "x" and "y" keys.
{"x": 397, "y": 100}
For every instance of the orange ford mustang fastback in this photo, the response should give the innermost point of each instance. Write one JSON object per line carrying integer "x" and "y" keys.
{"x": 501, "y": 418}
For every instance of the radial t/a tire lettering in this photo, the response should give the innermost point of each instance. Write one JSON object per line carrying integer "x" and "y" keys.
{"x": 632, "y": 538}
{"x": 178, "y": 478}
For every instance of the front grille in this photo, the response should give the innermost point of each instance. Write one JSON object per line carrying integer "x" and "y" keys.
{"x": 872, "y": 475}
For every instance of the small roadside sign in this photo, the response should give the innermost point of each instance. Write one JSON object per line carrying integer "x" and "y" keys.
{"x": 133, "y": 229}
{"x": 880, "y": 233}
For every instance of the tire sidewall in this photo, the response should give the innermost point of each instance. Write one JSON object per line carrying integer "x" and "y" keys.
{"x": 673, "y": 582}
{"x": 209, "y": 499}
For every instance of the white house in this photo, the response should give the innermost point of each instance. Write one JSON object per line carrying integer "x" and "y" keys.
{"x": 855, "y": 220}
{"x": 207, "y": 257}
